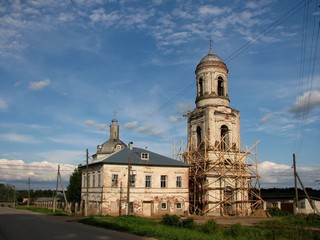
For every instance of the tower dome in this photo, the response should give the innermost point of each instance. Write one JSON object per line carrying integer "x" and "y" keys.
{"x": 212, "y": 81}
{"x": 211, "y": 59}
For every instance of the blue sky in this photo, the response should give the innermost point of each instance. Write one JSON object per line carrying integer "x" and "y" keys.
{"x": 68, "y": 67}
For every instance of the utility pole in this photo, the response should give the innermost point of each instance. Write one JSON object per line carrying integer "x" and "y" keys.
{"x": 14, "y": 196}
{"x": 120, "y": 200}
{"x": 87, "y": 185}
{"x": 129, "y": 179}
{"x": 295, "y": 182}
{"x": 55, "y": 194}
{"x": 128, "y": 186}
{"x": 28, "y": 203}
{"x": 314, "y": 207}
{"x": 64, "y": 194}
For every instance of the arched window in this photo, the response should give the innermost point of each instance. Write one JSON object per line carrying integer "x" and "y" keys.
{"x": 199, "y": 137}
{"x": 220, "y": 87}
{"x": 200, "y": 87}
{"x": 224, "y": 137}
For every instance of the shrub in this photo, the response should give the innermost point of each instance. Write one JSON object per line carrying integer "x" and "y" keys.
{"x": 276, "y": 212}
{"x": 313, "y": 219}
{"x": 209, "y": 227}
{"x": 171, "y": 220}
{"x": 188, "y": 222}
{"x": 234, "y": 231}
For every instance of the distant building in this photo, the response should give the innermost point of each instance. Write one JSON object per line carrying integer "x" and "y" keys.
{"x": 158, "y": 184}
{"x": 284, "y": 199}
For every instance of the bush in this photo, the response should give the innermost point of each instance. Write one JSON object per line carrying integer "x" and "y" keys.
{"x": 171, "y": 220}
{"x": 313, "y": 219}
{"x": 188, "y": 222}
{"x": 234, "y": 231}
{"x": 210, "y": 226}
{"x": 276, "y": 212}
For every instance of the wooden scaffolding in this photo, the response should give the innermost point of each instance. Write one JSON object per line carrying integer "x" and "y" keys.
{"x": 224, "y": 179}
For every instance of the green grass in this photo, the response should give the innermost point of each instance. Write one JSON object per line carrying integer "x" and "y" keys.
{"x": 43, "y": 210}
{"x": 278, "y": 229}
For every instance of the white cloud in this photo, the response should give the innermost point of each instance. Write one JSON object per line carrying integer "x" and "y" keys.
{"x": 109, "y": 19}
{"x": 62, "y": 156}
{"x": 40, "y": 84}
{"x": 175, "y": 119}
{"x": 65, "y": 17}
{"x": 93, "y": 124}
{"x": 14, "y": 170}
{"x": 308, "y": 101}
{"x": 19, "y": 138}
{"x": 153, "y": 131}
{"x": 3, "y": 104}
{"x": 131, "y": 124}
{"x": 266, "y": 117}
{"x": 281, "y": 175}
{"x": 184, "y": 108}
{"x": 212, "y": 10}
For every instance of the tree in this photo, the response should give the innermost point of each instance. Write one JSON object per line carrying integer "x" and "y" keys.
{"x": 74, "y": 187}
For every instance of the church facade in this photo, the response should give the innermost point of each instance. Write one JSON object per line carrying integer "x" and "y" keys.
{"x": 220, "y": 175}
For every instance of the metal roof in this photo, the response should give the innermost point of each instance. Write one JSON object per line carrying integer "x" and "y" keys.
{"x": 121, "y": 158}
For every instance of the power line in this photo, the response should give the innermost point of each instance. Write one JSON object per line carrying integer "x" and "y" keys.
{"x": 306, "y": 76}
{"x": 254, "y": 39}
{"x": 275, "y": 24}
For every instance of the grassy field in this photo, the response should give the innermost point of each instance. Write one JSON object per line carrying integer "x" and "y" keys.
{"x": 43, "y": 210}
{"x": 172, "y": 227}
{"x": 279, "y": 228}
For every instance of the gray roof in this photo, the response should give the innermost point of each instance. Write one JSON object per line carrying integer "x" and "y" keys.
{"x": 210, "y": 57}
{"x": 109, "y": 146}
{"x": 121, "y": 158}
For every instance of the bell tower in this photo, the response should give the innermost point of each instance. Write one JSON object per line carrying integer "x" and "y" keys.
{"x": 213, "y": 122}
{"x": 220, "y": 176}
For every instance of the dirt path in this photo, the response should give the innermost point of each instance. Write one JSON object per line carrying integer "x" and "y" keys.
{"x": 246, "y": 221}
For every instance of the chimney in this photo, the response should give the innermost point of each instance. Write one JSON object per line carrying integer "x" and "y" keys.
{"x": 130, "y": 145}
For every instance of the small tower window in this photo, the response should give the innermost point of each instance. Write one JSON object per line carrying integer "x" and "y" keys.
{"x": 200, "y": 87}
{"x": 224, "y": 137}
{"x": 199, "y": 137}
{"x": 220, "y": 87}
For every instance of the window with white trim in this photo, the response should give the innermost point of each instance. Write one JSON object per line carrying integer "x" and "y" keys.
{"x": 163, "y": 181}
{"x": 114, "y": 180}
{"x": 99, "y": 179}
{"x": 84, "y": 180}
{"x": 179, "y": 182}
{"x": 179, "y": 205}
{"x": 148, "y": 181}
{"x": 93, "y": 179}
{"x": 163, "y": 205}
{"x": 144, "y": 156}
{"x": 132, "y": 180}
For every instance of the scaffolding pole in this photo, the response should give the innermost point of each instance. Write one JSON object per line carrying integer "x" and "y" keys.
{"x": 223, "y": 179}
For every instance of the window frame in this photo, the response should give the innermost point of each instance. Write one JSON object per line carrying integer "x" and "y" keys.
{"x": 114, "y": 180}
{"x": 144, "y": 156}
{"x": 133, "y": 179}
{"x": 166, "y": 206}
{"x": 179, "y": 181}
{"x": 163, "y": 182}
{"x": 148, "y": 181}
{"x": 177, "y": 207}
{"x": 99, "y": 178}
{"x": 93, "y": 179}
